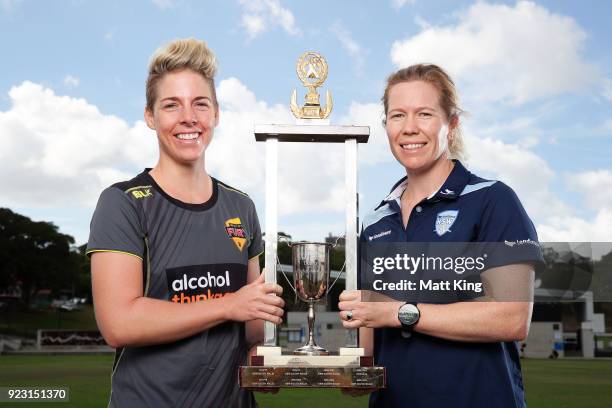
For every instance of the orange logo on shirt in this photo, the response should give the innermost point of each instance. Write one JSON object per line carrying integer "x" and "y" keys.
{"x": 234, "y": 230}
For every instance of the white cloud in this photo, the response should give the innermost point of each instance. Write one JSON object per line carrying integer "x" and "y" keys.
{"x": 531, "y": 177}
{"x": 576, "y": 229}
{"x": 523, "y": 170}
{"x": 595, "y": 186}
{"x": 260, "y": 15}
{"x": 253, "y": 24}
{"x": 498, "y": 52}
{"x": 164, "y": 4}
{"x": 397, "y": 4}
{"x": 71, "y": 81}
{"x": 348, "y": 43}
{"x": 57, "y": 149}
{"x": 369, "y": 114}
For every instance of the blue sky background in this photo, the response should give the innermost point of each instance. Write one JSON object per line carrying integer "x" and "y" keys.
{"x": 535, "y": 78}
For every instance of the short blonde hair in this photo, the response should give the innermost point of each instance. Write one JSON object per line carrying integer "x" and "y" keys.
{"x": 188, "y": 53}
{"x": 449, "y": 98}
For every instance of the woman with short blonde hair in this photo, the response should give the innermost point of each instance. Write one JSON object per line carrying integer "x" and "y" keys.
{"x": 175, "y": 255}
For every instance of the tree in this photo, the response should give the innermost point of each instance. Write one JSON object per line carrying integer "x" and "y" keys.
{"x": 82, "y": 281}
{"x": 36, "y": 254}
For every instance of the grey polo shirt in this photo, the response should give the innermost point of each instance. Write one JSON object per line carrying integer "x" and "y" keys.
{"x": 190, "y": 253}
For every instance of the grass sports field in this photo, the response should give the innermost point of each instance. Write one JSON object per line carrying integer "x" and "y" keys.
{"x": 549, "y": 383}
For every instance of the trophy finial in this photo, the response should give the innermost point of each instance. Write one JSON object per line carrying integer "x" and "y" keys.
{"x": 311, "y": 69}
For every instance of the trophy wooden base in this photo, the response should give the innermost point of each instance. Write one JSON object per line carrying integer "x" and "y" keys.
{"x": 270, "y": 369}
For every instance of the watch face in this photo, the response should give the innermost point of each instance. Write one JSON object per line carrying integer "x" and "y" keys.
{"x": 408, "y": 314}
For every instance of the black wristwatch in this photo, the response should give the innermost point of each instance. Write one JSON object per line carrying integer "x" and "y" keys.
{"x": 408, "y": 315}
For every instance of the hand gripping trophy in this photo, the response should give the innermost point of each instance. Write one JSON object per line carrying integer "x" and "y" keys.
{"x": 311, "y": 365}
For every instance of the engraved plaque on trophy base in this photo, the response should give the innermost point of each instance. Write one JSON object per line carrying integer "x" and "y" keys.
{"x": 270, "y": 369}
{"x": 312, "y": 377}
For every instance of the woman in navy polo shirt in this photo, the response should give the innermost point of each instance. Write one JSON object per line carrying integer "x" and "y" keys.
{"x": 460, "y": 354}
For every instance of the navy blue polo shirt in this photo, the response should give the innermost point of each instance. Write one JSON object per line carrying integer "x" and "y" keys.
{"x": 425, "y": 371}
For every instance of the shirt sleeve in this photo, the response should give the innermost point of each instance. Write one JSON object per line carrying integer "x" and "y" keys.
{"x": 115, "y": 225}
{"x": 505, "y": 222}
{"x": 256, "y": 246}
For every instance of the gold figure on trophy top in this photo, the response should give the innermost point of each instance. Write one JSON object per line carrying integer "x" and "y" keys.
{"x": 312, "y": 70}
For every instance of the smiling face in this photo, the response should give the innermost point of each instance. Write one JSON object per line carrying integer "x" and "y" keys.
{"x": 417, "y": 126}
{"x": 184, "y": 116}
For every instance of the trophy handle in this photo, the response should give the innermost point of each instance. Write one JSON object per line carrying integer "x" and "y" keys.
{"x": 280, "y": 267}
{"x": 335, "y": 244}
{"x": 286, "y": 240}
{"x": 342, "y": 270}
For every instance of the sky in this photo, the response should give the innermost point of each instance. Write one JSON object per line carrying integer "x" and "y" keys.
{"x": 535, "y": 79}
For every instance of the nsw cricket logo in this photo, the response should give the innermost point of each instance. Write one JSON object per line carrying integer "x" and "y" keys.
{"x": 234, "y": 230}
{"x": 444, "y": 221}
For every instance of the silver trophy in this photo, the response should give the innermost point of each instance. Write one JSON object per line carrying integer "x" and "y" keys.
{"x": 311, "y": 283}
{"x": 314, "y": 367}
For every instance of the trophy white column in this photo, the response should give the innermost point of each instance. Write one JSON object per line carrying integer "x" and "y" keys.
{"x": 271, "y": 226}
{"x": 352, "y": 225}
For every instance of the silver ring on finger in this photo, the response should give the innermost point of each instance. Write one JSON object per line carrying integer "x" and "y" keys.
{"x": 349, "y": 315}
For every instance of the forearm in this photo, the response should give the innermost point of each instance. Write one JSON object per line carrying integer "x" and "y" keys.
{"x": 488, "y": 319}
{"x": 145, "y": 321}
{"x": 125, "y": 317}
{"x": 476, "y": 321}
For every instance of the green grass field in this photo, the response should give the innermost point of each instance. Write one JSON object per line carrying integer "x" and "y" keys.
{"x": 568, "y": 383}
{"x": 549, "y": 383}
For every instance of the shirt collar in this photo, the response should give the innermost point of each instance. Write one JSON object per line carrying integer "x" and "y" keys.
{"x": 450, "y": 189}
{"x": 454, "y": 184}
{"x": 397, "y": 189}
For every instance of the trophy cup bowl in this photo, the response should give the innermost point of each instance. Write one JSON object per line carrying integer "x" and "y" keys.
{"x": 311, "y": 281}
